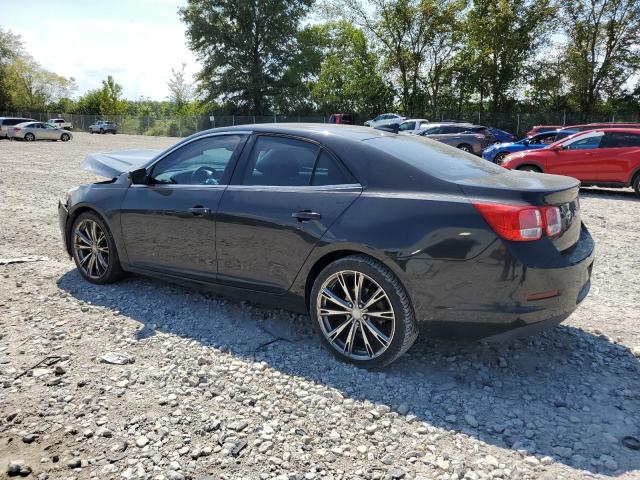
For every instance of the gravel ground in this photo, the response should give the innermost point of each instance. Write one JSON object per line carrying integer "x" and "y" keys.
{"x": 146, "y": 380}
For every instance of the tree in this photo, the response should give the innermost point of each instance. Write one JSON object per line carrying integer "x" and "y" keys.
{"x": 109, "y": 98}
{"x": 11, "y": 48}
{"x": 603, "y": 49}
{"x": 180, "y": 91}
{"x": 502, "y": 36}
{"x": 31, "y": 87}
{"x": 245, "y": 47}
{"x": 349, "y": 79}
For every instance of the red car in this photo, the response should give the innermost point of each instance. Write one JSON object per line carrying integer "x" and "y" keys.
{"x": 541, "y": 129}
{"x": 591, "y": 126}
{"x": 605, "y": 157}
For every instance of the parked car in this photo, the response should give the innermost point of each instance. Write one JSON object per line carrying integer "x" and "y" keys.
{"x": 103, "y": 126}
{"x": 465, "y": 136}
{"x": 294, "y": 216}
{"x": 342, "y": 118}
{"x": 497, "y": 152}
{"x": 385, "y": 119}
{"x": 592, "y": 126}
{"x": 501, "y": 136}
{"x": 31, "y": 131}
{"x": 60, "y": 123}
{"x": 541, "y": 129}
{"x": 412, "y": 126}
{"x": 6, "y": 122}
{"x": 604, "y": 157}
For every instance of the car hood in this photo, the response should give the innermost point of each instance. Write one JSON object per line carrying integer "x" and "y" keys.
{"x": 112, "y": 164}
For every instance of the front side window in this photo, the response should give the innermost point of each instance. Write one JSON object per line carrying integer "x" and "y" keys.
{"x": 407, "y": 126}
{"x": 280, "y": 161}
{"x": 432, "y": 131}
{"x": 201, "y": 162}
{"x": 585, "y": 143}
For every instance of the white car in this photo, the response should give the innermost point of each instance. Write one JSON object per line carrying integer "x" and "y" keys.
{"x": 60, "y": 123}
{"x": 31, "y": 131}
{"x": 385, "y": 119}
{"x": 412, "y": 126}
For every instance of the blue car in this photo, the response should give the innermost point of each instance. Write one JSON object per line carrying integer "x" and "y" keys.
{"x": 497, "y": 152}
{"x": 501, "y": 136}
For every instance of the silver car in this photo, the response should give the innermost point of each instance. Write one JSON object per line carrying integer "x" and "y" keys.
{"x": 413, "y": 126}
{"x": 31, "y": 131}
{"x": 465, "y": 136}
{"x": 385, "y": 119}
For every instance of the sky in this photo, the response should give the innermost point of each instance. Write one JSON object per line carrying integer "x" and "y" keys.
{"x": 136, "y": 41}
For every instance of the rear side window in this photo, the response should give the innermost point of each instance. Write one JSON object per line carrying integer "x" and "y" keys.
{"x": 279, "y": 161}
{"x": 329, "y": 171}
{"x": 585, "y": 143}
{"x": 620, "y": 140}
{"x": 435, "y": 159}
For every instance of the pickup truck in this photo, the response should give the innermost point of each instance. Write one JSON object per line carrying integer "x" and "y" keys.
{"x": 60, "y": 123}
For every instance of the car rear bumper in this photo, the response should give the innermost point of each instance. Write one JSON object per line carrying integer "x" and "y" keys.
{"x": 493, "y": 295}
{"x": 63, "y": 217}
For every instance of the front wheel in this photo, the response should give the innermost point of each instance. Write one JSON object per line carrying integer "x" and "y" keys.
{"x": 94, "y": 250}
{"x": 499, "y": 158}
{"x": 64, "y": 137}
{"x": 29, "y": 137}
{"x": 636, "y": 185}
{"x": 465, "y": 148}
{"x": 361, "y": 312}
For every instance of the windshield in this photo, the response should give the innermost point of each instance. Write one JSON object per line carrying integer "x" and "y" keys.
{"x": 435, "y": 158}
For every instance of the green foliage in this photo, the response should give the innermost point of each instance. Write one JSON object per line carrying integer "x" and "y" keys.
{"x": 244, "y": 47}
{"x": 109, "y": 98}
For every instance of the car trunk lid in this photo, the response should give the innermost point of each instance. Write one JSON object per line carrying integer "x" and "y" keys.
{"x": 521, "y": 188}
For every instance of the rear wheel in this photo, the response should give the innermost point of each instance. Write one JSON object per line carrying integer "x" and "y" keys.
{"x": 636, "y": 184}
{"x": 361, "y": 312}
{"x": 102, "y": 130}
{"x": 499, "y": 158}
{"x": 529, "y": 168}
{"x": 29, "y": 137}
{"x": 94, "y": 250}
{"x": 465, "y": 148}
{"x": 64, "y": 137}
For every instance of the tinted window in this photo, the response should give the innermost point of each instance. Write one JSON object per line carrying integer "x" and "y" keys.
{"x": 543, "y": 139}
{"x": 585, "y": 143}
{"x": 407, "y": 126}
{"x": 432, "y": 131}
{"x": 14, "y": 121}
{"x": 201, "y": 162}
{"x": 620, "y": 140}
{"x": 329, "y": 171}
{"x": 437, "y": 160}
{"x": 279, "y": 161}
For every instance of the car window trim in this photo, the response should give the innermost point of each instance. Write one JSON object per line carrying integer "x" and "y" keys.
{"x": 234, "y": 158}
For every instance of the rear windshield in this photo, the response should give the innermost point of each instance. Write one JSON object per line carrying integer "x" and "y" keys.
{"x": 434, "y": 158}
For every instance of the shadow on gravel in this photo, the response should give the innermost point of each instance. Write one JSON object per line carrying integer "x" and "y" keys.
{"x": 567, "y": 394}
{"x": 610, "y": 193}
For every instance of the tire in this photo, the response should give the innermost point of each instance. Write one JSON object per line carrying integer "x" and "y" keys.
{"x": 82, "y": 238}
{"x": 636, "y": 185}
{"x": 114, "y": 132}
{"x": 91, "y": 131}
{"x": 29, "y": 137}
{"x": 102, "y": 131}
{"x": 529, "y": 168}
{"x": 65, "y": 137}
{"x": 499, "y": 158}
{"x": 465, "y": 147}
{"x": 388, "y": 337}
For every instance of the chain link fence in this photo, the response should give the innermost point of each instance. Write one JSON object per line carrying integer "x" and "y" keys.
{"x": 182, "y": 126}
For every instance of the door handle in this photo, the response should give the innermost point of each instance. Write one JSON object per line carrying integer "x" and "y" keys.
{"x": 199, "y": 211}
{"x": 305, "y": 215}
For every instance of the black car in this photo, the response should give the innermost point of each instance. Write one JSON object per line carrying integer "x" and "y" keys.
{"x": 371, "y": 233}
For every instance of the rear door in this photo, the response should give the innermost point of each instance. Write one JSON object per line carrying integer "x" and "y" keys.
{"x": 579, "y": 158}
{"x": 618, "y": 151}
{"x": 284, "y": 195}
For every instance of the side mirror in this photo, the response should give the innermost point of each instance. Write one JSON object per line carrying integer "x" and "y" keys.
{"x": 139, "y": 177}
{"x": 525, "y": 142}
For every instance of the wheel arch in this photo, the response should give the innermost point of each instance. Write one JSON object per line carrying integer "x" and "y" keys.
{"x": 530, "y": 164}
{"x": 75, "y": 213}
{"x": 633, "y": 176}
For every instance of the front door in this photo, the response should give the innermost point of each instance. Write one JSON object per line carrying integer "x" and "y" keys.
{"x": 284, "y": 196}
{"x": 578, "y": 158}
{"x": 168, "y": 225}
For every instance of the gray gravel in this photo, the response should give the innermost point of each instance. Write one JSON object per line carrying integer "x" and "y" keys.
{"x": 146, "y": 380}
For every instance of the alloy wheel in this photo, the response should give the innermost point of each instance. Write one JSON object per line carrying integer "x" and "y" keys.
{"x": 91, "y": 248}
{"x": 355, "y": 315}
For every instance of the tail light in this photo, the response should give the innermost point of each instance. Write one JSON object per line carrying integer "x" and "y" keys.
{"x": 520, "y": 223}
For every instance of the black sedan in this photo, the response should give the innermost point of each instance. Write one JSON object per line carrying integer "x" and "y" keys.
{"x": 369, "y": 232}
